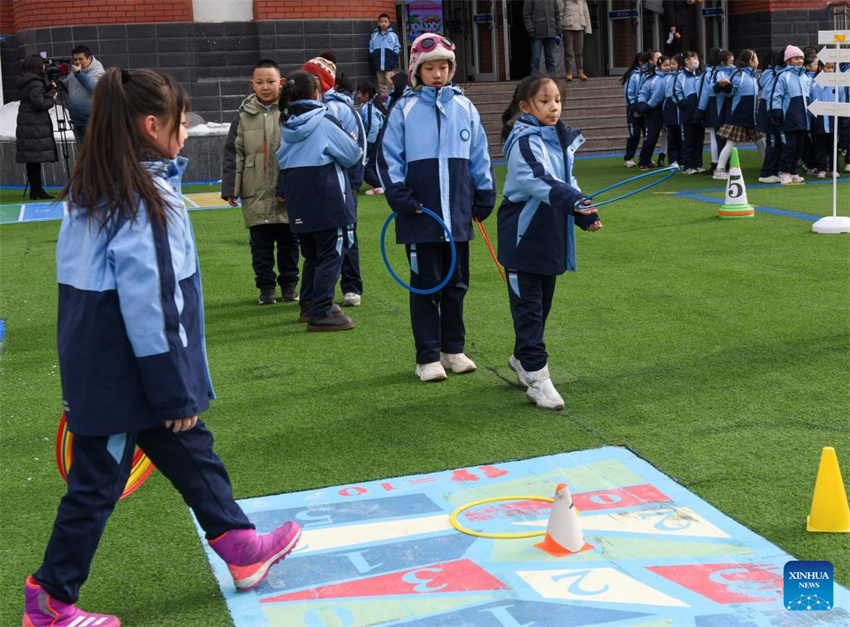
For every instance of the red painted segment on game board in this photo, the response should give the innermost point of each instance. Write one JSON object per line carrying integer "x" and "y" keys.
{"x": 457, "y": 576}
{"x": 726, "y": 583}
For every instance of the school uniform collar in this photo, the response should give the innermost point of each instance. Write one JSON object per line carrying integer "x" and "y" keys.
{"x": 432, "y": 95}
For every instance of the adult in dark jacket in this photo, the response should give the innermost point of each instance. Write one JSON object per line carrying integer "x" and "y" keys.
{"x": 34, "y": 133}
{"x": 542, "y": 20}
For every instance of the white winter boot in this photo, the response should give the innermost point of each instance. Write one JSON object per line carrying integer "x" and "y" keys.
{"x": 541, "y": 391}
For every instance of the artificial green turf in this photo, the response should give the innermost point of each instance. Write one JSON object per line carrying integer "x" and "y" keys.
{"x": 717, "y": 350}
{"x": 814, "y": 199}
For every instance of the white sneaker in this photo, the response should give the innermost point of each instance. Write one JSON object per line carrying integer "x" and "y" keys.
{"x": 769, "y": 179}
{"x": 375, "y": 191}
{"x": 822, "y": 175}
{"x": 847, "y": 167}
{"x": 431, "y": 372}
{"x": 458, "y": 362}
{"x": 675, "y": 164}
{"x": 785, "y": 179}
{"x": 689, "y": 172}
{"x": 700, "y": 170}
{"x": 351, "y": 300}
{"x": 541, "y": 391}
{"x": 522, "y": 375}
{"x": 630, "y": 163}
{"x": 797, "y": 179}
{"x": 720, "y": 174}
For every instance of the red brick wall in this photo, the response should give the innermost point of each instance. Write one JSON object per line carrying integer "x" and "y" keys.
{"x": 737, "y": 7}
{"x": 7, "y": 17}
{"x": 323, "y": 9}
{"x": 30, "y": 14}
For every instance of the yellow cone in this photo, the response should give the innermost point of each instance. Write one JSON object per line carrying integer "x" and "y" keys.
{"x": 830, "y": 512}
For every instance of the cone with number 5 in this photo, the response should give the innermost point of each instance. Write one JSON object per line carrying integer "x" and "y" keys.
{"x": 736, "y": 205}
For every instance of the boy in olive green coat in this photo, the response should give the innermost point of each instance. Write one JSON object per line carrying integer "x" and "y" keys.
{"x": 250, "y": 172}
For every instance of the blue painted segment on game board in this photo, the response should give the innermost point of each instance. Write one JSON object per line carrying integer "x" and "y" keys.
{"x": 363, "y": 542}
{"x": 2, "y": 333}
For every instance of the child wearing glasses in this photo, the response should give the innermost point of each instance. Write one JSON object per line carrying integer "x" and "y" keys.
{"x": 434, "y": 155}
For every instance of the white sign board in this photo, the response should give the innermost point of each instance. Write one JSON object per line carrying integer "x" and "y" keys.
{"x": 833, "y": 37}
{"x": 834, "y": 55}
{"x": 833, "y": 79}
{"x": 823, "y": 107}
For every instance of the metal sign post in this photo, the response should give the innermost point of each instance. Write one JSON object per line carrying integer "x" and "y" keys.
{"x": 837, "y": 79}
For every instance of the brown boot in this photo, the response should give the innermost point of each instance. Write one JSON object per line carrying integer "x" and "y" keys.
{"x": 569, "y": 76}
{"x": 305, "y": 310}
{"x": 333, "y": 322}
{"x": 582, "y": 76}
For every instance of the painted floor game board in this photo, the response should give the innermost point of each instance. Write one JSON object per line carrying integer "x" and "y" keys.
{"x": 384, "y": 552}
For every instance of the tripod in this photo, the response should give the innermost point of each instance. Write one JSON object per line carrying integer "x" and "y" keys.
{"x": 64, "y": 126}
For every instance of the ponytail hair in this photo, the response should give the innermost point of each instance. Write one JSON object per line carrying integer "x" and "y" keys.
{"x": 524, "y": 92}
{"x": 746, "y": 55}
{"x": 108, "y": 180}
{"x": 299, "y": 85}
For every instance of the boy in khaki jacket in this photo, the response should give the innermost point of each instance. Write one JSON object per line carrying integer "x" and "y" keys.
{"x": 250, "y": 172}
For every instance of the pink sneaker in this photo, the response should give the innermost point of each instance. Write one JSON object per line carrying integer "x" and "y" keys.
{"x": 42, "y": 610}
{"x": 249, "y": 557}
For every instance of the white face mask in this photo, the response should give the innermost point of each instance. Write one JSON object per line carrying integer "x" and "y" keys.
{"x": 693, "y": 64}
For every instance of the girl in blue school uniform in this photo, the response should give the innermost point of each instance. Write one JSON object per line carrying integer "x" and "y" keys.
{"x": 314, "y": 156}
{"x": 789, "y": 113}
{"x": 434, "y": 155}
{"x": 650, "y": 105}
{"x": 131, "y": 346}
{"x": 740, "y": 126}
{"x": 671, "y": 114}
{"x": 631, "y": 82}
{"x": 373, "y": 112}
{"x": 711, "y": 101}
{"x": 686, "y": 91}
{"x": 772, "y": 135}
{"x": 541, "y": 205}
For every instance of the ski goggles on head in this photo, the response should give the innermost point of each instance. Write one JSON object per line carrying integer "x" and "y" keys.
{"x": 429, "y": 43}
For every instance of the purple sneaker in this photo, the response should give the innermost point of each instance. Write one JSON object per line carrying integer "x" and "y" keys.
{"x": 42, "y": 610}
{"x": 249, "y": 556}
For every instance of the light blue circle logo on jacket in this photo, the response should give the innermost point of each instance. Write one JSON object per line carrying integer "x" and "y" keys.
{"x": 464, "y": 134}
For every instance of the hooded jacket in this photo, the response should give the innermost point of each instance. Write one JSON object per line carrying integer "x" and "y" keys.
{"x": 686, "y": 92}
{"x": 434, "y": 154}
{"x": 536, "y": 219}
{"x": 342, "y": 107}
{"x": 791, "y": 99}
{"x": 34, "y": 132}
{"x": 313, "y": 157}
{"x": 384, "y": 48}
{"x": 743, "y": 98}
{"x": 651, "y": 95}
{"x": 766, "y": 82}
{"x": 671, "y": 108}
{"x": 373, "y": 121}
{"x": 130, "y": 330}
{"x": 81, "y": 91}
{"x": 249, "y": 169}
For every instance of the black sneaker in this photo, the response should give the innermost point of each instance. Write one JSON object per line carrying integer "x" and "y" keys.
{"x": 661, "y": 159}
{"x": 267, "y": 297}
{"x": 333, "y": 322}
{"x": 290, "y": 295}
{"x": 305, "y": 310}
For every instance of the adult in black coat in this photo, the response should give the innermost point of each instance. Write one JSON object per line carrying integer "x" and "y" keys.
{"x": 34, "y": 134}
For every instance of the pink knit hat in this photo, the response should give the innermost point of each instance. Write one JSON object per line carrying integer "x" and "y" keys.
{"x": 792, "y": 51}
{"x": 324, "y": 70}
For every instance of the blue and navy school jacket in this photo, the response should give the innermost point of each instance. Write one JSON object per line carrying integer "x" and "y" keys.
{"x": 766, "y": 82}
{"x": 434, "y": 154}
{"x": 742, "y": 98}
{"x": 342, "y": 107}
{"x": 632, "y": 88}
{"x": 824, "y": 124}
{"x": 707, "y": 103}
{"x": 130, "y": 331}
{"x": 313, "y": 156}
{"x": 791, "y": 99}
{"x": 671, "y": 107}
{"x": 373, "y": 121}
{"x": 686, "y": 91}
{"x": 651, "y": 96}
{"x": 536, "y": 219}
{"x": 383, "y": 50}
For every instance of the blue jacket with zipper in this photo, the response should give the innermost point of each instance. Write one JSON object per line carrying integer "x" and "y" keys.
{"x": 536, "y": 219}
{"x": 373, "y": 121}
{"x": 434, "y": 154}
{"x": 791, "y": 99}
{"x": 766, "y": 82}
{"x": 672, "y": 115}
{"x": 384, "y": 48}
{"x": 313, "y": 156}
{"x": 742, "y": 94}
{"x": 651, "y": 95}
{"x": 130, "y": 330}
{"x": 686, "y": 91}
{"x": 342, "y": 107}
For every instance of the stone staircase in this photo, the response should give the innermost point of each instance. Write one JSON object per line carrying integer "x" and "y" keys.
{"x": 595, "y": 106}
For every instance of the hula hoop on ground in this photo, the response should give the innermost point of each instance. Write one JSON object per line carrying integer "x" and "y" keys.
{"x": 497, "y": 536}
{"x": 671, "y": 170}
{"x": 410, "y": 288}
{"x": 139, "y": 472}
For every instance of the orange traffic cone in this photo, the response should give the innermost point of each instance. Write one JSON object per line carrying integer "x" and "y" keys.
{"x": 563, "y": 533}
{"x": 830, "y": 512}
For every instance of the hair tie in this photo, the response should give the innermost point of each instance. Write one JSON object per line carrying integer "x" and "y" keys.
{"x": 290, "y": 83}
{"x": 125, "y": 76}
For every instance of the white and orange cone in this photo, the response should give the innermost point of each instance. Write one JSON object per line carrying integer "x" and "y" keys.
{"x": 736, "y": 205}
{"x": 563, "y": 533}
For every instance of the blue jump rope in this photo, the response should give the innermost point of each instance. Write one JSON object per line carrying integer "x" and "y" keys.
{"x": 670, "y": 170}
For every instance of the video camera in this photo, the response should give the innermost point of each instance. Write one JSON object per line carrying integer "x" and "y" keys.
{"x": 56, "y": 67}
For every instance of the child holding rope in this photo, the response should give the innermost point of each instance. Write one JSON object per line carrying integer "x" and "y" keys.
{"x": 536, "y": 219}
{"x": 434, "y": 155}
{"x": 131, "y": 346}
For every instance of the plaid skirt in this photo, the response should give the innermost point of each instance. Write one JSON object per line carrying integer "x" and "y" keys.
{"x": 739, "y": 134}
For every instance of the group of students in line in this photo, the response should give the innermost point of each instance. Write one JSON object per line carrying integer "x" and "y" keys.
{"x": 131, "y": 343}
{"x": 675, "y": 101}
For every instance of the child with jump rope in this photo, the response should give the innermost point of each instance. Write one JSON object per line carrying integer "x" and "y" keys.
{"x": 536, "y": 222}
{"x": 132, "y": 353}
{"x": 434, "y": 156}
{"x": 314, "y": 157}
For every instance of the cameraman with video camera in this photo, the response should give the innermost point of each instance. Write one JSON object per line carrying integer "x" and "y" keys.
{"x": 85, "y": 72}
